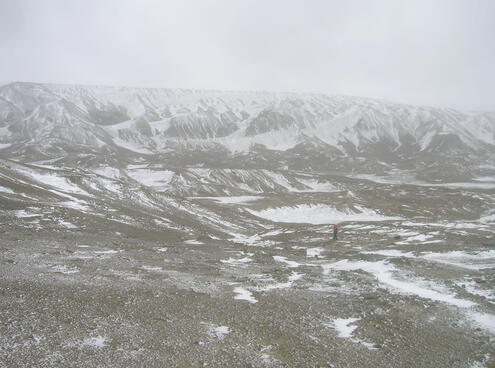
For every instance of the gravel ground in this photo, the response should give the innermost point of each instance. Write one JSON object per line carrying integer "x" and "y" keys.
{"x": 74, "y": 298}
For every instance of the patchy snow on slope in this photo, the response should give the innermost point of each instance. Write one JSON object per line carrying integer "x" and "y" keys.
{"x": 485, "y": 321}
{"x": 67, "y": 224}
{"x": 59, "y": 182}
{"x": 243, "y": 294}
{"x": 407, "y": 177}
{"x": 474, "y": 288}
{"x": 65, "y": 269}
{"x": 345, "y": 329}
{"x": 131, "y": 146}
{"x": 475, "y": 185}
{"x": 391, "y": 253}
{"x": 422, "y": 238}
{"x": 384, "y": 273}
{"x": 488, "y": 218}
{"x": 233, "y": 199}
{"x": 319, "y": 214}
{"x": 107, "y": 171}
{"x": 105, "y": 252}
{"x": 314, "y": 252}
{"x": 475, "y": 261}
{"x": 279, "y": 140}
{"x": 478, "y": 260}
{"x": 193, "y": 242}
{"x": 290, "y": 264}
{"x": 6, "y": 190}
{"x": 94, "y": 342}
{"x": 253, "y": 240}
{"x": 293, "y": 277}
{"x": 317, "y": 186}
{"x": 152, "y": 268}
{"x": 343, "y": 326}
{"x": 218, "y": 332}
{"x": 152, "y": 178}
{"x": 237, "y": 261}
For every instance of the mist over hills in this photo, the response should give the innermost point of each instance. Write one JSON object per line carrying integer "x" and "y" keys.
{"x": 86, "y": 125}
{"x": 174, "y": 227}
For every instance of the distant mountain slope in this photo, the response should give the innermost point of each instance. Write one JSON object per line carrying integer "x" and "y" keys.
{"x": 233, "y": 129}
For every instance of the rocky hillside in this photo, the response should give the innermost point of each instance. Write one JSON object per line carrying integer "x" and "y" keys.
{"x": 86, "y": 126}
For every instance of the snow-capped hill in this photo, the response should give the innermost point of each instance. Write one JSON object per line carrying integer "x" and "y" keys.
{"x": 45, "y": 118}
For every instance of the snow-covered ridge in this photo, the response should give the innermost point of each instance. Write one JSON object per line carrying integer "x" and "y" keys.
{"x": 153, "y": 120}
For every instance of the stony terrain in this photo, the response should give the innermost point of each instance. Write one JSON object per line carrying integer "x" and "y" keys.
{"x": 115, "y": 251}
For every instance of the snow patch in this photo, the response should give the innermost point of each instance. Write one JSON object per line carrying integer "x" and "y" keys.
{"x": 158, "y": 179}
{"x": 319, "y": 214}
{"x": 283, "y": 285}
{"x": 65, "y": 269}
{"x": 253, "y": 240}
{"x": 233, "y": 199}
{"x": 314, "y": 252}
{"x": 94, "y": 342}
{"x": 243, "y": 294}
{"x": 152, "y": 268}
{"x": 343, "y": 326}
{"x": 111, "y": 251}
{"x": 236, "y": 262}
{"x": 383, "y": 272}
{"x": 291, "y": 264}
{"x": 6, "y": 190}
{"x": 218, "y": 332}
{"x": 193, "y": 242}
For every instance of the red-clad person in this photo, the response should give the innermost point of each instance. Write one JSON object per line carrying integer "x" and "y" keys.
{"x": 335, "y": 231}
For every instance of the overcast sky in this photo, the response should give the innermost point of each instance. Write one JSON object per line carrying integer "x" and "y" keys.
{"x": 435, "y": 52}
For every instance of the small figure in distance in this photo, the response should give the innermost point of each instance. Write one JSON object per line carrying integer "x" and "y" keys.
{"x": 335, "y": 231}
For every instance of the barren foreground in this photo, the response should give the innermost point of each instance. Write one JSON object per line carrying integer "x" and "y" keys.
{"x": 78, "y": 290}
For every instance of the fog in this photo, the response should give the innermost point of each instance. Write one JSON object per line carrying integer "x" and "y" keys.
{"x": 420, "y": 52}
